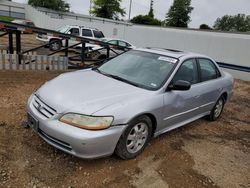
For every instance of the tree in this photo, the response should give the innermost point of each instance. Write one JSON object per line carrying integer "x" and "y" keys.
{"x": 151, "y": 11}
{"x": 110, "y": 9}
{"x": 146, "y": 20}
{"x": 239, "y": 22}
{"x": 58, "y": 5}
{"x": 205, "y": 27}
{"x": 179, "y": 13}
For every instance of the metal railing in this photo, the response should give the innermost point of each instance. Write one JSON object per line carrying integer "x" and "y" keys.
{"x": 11, "y": 29}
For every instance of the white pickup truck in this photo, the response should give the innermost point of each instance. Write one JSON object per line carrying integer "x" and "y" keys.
{"x": 56, "y": 43}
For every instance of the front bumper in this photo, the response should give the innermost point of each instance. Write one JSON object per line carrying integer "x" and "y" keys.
{"x": 75, "y": 141}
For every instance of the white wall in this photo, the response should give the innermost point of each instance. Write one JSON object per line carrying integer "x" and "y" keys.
{"x": 12, "y": 9}
{"x": 223, "y": 47}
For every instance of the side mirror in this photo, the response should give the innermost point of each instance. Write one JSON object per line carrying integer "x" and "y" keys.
{"x": 69, "y": 32}
{"x": 180, "y": 85}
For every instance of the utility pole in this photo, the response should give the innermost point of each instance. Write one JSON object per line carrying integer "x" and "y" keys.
{"x": 90, "y": 7}
{"x": 130, "y": 5}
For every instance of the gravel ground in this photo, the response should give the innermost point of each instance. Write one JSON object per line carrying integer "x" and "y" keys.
{"x": 201, "y": 154}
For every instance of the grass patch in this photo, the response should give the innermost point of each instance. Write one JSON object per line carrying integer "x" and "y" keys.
{"x": 6, "y": 18}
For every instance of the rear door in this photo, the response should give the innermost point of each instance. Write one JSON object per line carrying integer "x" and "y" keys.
{"x": 87, "y": 33}
{"x": 209, "y": 82}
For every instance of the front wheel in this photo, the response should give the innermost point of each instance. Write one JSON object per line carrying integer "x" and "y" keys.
{"x": 55, "y": 45}
{"x": 217, "y": 110}
{"x": 135, "y": 138}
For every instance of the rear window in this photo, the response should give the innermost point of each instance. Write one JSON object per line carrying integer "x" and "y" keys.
{"x": 86, "y": 33}
{"x": 98, "y": 34}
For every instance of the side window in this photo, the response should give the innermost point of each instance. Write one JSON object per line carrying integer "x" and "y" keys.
{"x": 98, "y": 34}
{"x": 208, "y": 70}
{"x": 74, "y": 31}
{"x": 121, "y": 43}
{"x": 86, "y": 33}
{"x": 187, "y": 72}
{"x": 128, "y": 45}
{"x": 113, "y": 42}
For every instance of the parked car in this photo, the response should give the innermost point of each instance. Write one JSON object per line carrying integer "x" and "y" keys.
{"x": 120, "y": 105}
{"x": 56, "y": 43}
{"x": 118, "y": 42}
{"x": 102, "y": 53}
{"x": 24, "y": 22}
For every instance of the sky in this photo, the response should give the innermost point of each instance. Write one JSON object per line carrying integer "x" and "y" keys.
{"x": 205, "y": 11}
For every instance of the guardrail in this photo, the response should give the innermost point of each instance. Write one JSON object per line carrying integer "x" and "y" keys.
{"x": 234, "y": 67}
{"x": 75, "y": 16}
{"x": 12, "y": 10}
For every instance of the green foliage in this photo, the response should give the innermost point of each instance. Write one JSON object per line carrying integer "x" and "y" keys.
{"x": 179, "y": 14}
{"x": 110, "y": 9}
{"x": 205, "y": 27}
{"x": 239, "y": 22}
{"x": 151, "y": 11}
{"x": 146, "y": 20}
{"x": 58, "y": 5}
{"x": 6, "y": 18}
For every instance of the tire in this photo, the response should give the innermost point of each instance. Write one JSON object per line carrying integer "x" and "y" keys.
{"x": 102, "y": 57}
{"x": 135, "y": 138}
{"x": 55, "y": 45}
{"x": 217, "y": 109}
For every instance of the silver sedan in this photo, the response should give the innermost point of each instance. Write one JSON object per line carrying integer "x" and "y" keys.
{"x": 120, "y": 105}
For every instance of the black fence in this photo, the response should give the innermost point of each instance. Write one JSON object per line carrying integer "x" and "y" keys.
{"x": 10, "y": 29}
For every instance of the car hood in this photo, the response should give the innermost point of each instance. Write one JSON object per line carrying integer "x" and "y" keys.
{"x": 86, "y": 92}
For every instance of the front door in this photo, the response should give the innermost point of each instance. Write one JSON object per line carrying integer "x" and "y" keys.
{"x": 181, "y": 106}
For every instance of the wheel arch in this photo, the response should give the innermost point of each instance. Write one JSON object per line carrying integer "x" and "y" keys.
{"x": 151, "y": 117}
{"x": 225, "y": 95}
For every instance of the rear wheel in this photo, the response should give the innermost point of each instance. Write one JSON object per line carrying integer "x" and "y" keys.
{"x": 55, "y": 45}
{"x": 217, "y": 110}
{"x": 135, "y": 138}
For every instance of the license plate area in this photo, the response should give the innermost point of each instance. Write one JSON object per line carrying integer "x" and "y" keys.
{"x": 33, "y": 122}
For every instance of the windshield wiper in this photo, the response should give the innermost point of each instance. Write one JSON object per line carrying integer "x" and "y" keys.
{"x": 99, "y": 71}
{"x": 117, "y": 77}
{"x": 124, "y": 80}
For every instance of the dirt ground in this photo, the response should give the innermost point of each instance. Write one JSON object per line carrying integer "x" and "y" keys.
{"x": 201, "y": 154}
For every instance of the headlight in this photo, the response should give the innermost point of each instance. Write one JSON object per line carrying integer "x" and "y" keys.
{"x": 87, "y": 122}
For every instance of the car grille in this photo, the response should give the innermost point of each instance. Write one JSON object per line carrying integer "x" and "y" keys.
{"x": 43, "y": 108}
{"x": 55, "y": 141}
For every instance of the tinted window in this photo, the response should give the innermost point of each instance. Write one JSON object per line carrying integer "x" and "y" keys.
{"x": 187, "y": 72}
{"x": 86, "y": 33}
{"x": 113, "y": 42}
{"x": 74, "y": 31}
{"x": 98, "y": 34}
{"x": 208, "y": 69}
{"x": 121, "y": 43}
{"x": 128, "y": 44}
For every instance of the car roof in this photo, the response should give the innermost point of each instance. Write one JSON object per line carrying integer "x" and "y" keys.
{"x": 115, "y": 39}
{"x": 171, "y": 52}
{"x": 83, "y": 27}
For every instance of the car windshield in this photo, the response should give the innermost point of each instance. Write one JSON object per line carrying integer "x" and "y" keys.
{"x": 142, "y": 69}
{"x": 63, "y": 29}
